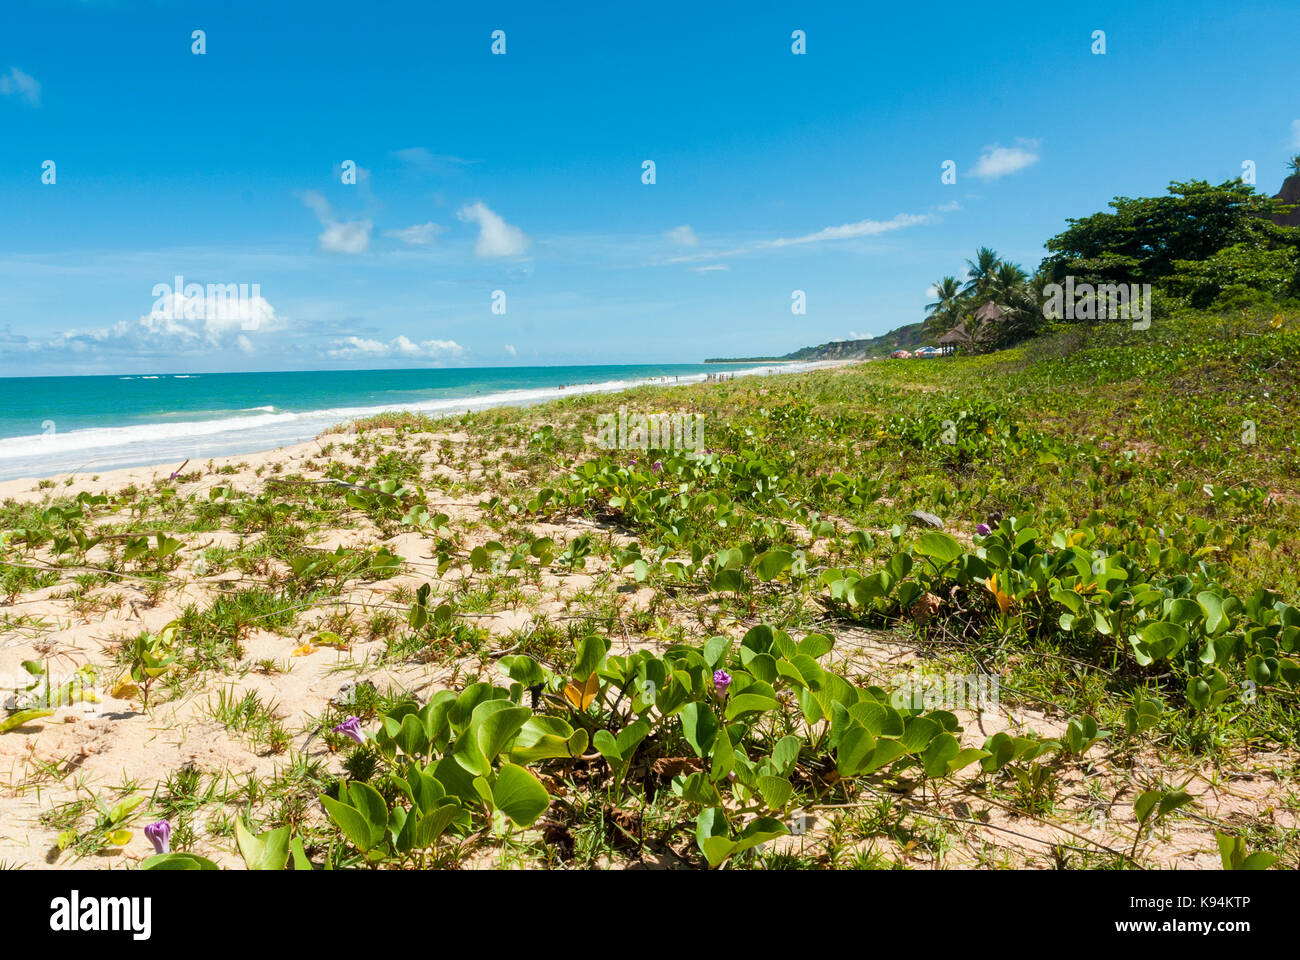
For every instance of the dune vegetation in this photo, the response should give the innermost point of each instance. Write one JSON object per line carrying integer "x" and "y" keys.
{"x": 484, "y": 641}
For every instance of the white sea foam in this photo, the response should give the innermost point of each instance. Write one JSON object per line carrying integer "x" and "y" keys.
{"x": 262, "y": 428}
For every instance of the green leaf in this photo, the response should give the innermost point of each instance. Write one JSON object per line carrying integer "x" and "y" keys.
{"x": 786, "y": 754}
{"x": 816, "y": 645}
{"x": 22, "y": 717}
{"x": 607, "y": 746}
{"x": 1174, "y": 799}
{"x": 412, "y": 738}
{"x": 712, "y": 835}
{"x": 699, "y": 726}
{"x": 542, "y": 738}
{"x": 724, "y": 756}
{"x": 120, "y": 812}
{"x": 776, "y": 791}
{"x": 773, "y": 563}
{"x": 716, "y": 650}
{"x": 300, "y": 861}
{"x": 728, "y": 580}
{"x": 1232, "y": 851}
{"x": 591, "y": 653}
{"x": 519, "y": 795}
{"x": 630, "y": 736}
{"x": 938, "y": 546}
{"x": 178, "y": 861}
{"x": 886, "y": 752}
{"x": 268, "y": 851}
{"x": 965, "y": 758}
{"x": 497, "y": 727}
{"x": 1212, "y": 606}
{"x": 918, "y": 733}
{"x": 942, "y": 750}
{"x": 352, "y": 822}
{"x": 814, "y": 676}
{"x": 711, "y": 823}
{"x": 761, "y": 665}
{"x": 1146, "y": 804}
{"x": 1162, "y": 640}
{"x": 855, "y": 748}
{"x": 749, "y": 703}
{"x": 523, "y": 669}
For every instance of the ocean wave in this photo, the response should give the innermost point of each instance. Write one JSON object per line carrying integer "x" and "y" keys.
{"x": 95, "y": 438}
{"x": 265, "y": 427}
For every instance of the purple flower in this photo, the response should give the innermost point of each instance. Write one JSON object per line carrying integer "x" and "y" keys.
{"x": 721, "y": 681}
{"x": 657, "y": 466}
{"x": 983, "y": 530}
{"x": 160, "y": 835}
{"x": 351, "y": 727}
{"x": 632, "y": 462}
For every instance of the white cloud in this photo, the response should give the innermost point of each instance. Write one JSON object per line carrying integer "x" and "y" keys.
{"x": 709, "y": 268}
{"x": 850, "y": 231}
{"x": 431, "y": 162}
{"x": 854, "y": 335}
{"x": 997, "y": 161}
{"x": 209, "y": 315}
{"x": 339, "y": 236}
{"x": 352, "y": 237}
{"x": 176, "y": 325}
{"x": 351, "y": 348}
{"x": 683, "y": 235}
{"x": 17, "y": 83}
{"x": 418, "y": 235}
{"x": 417, "y": 156}
{"x": 1295, "y": 133}
{"x": 847, "y": 231}
{"x": 496, "y": 238}
{"x": 511, "y": 350}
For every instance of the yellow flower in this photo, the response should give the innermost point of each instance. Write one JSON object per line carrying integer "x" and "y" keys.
{"x": 306, "y": 650}
{"x": 1004, "y": 601}
{"x": 125, "y": 688}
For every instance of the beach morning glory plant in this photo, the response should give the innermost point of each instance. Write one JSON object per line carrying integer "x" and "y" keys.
{"x": 351, "y": 727}
{"x": 721, "y": 681}
{"x": 160, "y": 835}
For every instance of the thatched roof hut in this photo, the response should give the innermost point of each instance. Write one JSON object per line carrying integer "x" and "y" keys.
{"x": 989, "y": 313}
{"x": 954, "y": 338}
{"x": 957, "y": 335}
{"x": 982, "y": 323}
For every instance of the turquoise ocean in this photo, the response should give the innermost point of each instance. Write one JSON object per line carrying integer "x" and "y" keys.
{"x": 55, "y": 426}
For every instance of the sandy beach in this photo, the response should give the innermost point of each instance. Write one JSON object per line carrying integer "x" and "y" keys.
{"x": 142, "y": 421}
{"x": 306, "y": 665}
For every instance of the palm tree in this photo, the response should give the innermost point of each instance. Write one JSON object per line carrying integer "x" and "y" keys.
{"x": 945, "y": 312}
{"x": 1007, "y": 283}
{"x": 1011, "y": 289}
{"x": 1294, "y": 163}
{"x": 980, "y": 272}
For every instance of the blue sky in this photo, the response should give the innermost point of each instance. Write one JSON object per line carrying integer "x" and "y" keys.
{"x": 522, "y": 172}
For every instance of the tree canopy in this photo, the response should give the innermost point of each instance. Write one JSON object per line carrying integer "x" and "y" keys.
{"x": 1144, "y": 239}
